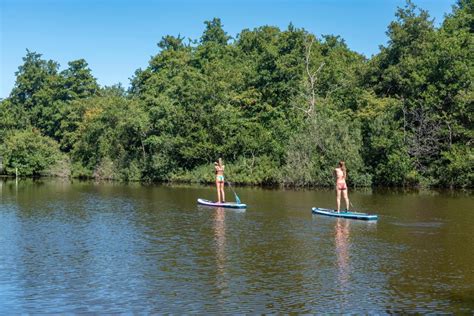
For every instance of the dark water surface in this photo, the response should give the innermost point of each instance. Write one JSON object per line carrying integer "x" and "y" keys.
{"x": 84, "y": 247}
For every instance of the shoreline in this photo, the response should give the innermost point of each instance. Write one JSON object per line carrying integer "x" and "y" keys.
{"x": 408, "y": 189}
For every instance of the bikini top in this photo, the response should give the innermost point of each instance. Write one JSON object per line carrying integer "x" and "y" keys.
{"x": 340, "y": 174}
{"x": 219, "y": 169}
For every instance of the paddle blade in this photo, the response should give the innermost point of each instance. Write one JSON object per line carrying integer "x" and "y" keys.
{"x": 237, "y": 199}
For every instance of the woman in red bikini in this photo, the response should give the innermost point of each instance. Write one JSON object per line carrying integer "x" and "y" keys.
{"x": 341, "y": 186}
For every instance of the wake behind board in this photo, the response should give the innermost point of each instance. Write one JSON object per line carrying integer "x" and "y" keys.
{"x": 348, "y": 214}
{"x": 226, "y": 204}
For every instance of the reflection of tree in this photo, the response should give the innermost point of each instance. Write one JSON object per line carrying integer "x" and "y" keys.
{"x": 342, "y": 250}
{"x": 219, "y": 235}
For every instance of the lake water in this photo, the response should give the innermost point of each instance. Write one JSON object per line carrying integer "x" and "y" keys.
{"x": 76, "y": 247}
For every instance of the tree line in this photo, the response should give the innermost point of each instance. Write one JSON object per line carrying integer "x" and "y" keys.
{"x": 279, "y": 106}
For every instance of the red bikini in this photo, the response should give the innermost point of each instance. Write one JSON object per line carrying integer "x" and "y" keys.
{"x": 341, "y": 186}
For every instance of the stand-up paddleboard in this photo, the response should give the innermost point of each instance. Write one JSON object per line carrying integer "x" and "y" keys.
{"x": 344, "y": 214}
{"x": 226, "y": 204}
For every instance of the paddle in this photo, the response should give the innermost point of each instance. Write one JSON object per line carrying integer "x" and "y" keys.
{"x": 352, "y": 205}
{"x": 354, "y": 209}
{"x": 235, "y": 194}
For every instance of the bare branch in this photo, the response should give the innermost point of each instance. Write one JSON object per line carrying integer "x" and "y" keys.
{"x": 312, "y": 77}
{"x": 424, "y": 139}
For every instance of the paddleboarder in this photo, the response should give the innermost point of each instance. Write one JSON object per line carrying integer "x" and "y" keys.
{"x": 341, "y": 187}
{"x": 219, "y": 166}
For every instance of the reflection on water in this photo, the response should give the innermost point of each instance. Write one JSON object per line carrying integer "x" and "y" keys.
{"x": 342, "y": 251}
{"x": 219, "y": 233}
{"x": 85, "y": 247}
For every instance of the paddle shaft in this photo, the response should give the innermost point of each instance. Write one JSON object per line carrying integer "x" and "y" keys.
{"x": 236, "y": 196}
{"x": 352, "y": 205}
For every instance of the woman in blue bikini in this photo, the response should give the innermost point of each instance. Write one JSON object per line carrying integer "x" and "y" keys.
{"x": 219, "y": 166}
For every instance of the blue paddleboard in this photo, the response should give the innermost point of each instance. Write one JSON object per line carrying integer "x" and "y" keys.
{"x": 344, "y": 214}
{"x": 226, "y": 204}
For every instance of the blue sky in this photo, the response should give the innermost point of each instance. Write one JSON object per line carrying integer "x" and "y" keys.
{"x": 117, "y": 37}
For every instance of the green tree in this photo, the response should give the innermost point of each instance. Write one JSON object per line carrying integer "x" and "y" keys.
{"x": 384, "y": 151}
{"x": 12, "y": 117}
{"x": 78, "y": 81}
{"x": 110, "y": 139}
{"x": 36, "y": 89}
{"x": 280, "y": 106}
{"x": 315, "y": 150}
{"x": 430, "y": 72}
{"x": 214, "y": 32}
{"x": 29, "y": 152}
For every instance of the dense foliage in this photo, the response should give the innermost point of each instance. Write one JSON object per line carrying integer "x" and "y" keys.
{"x": 280, "y": 107}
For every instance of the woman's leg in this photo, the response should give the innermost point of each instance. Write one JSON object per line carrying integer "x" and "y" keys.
{"x": 222, "y": 192}
{"x": 338, "y": 199}
{"x": 346, "y": 198}
{"x": 218, "y": 192}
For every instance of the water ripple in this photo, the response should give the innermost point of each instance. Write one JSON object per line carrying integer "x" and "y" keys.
{"x": 118, "y": 249}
